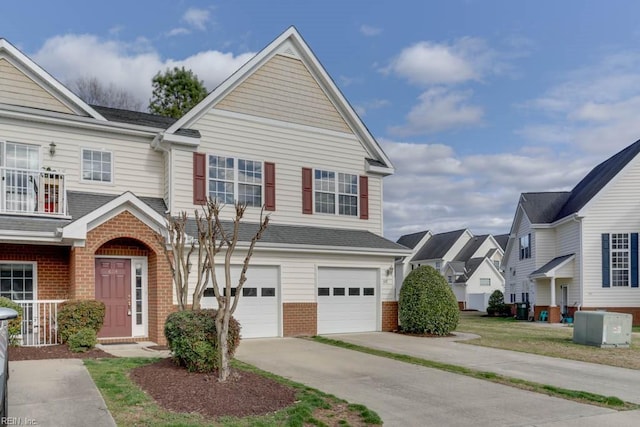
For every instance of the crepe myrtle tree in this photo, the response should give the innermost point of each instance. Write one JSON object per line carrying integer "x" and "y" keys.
{"x": 213, "y": 239}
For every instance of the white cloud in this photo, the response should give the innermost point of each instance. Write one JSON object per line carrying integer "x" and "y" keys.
{"x": 370, "y": 31}
{"x": 130, "y": 66}
{"x": 429, "y": 63}
{"x": 178, "y": 32}
{"x": 594, "y": 108}
{"x": 197, "y": 18}
{"x": 375, "y": 104}
{"x": 440, "y": 109}
{"x": 435, "y": 188}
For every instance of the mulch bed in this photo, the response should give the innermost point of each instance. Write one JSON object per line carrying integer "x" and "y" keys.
{"x": 53, "y": 352}
{"x": 243, "y": 394}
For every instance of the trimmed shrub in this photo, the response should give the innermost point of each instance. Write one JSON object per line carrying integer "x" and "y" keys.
{"x": 15, "y": 325}
{"x": 496, "y": 306}
{"x": 74, "y": 315}
{"x": 191, "y": 337}
{"x": 83, "y": 340}
{"x": 427, "y": 304}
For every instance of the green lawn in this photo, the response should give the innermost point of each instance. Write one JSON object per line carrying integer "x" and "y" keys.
{"x": 554, "y": 341}
{"x": 130, "y": 406}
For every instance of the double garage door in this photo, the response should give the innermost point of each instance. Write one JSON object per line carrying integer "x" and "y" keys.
{"x": 257, "y": 309}
{"x": 347, "y": 300}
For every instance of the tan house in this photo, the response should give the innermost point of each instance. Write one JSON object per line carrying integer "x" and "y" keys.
{"x": 85, "y": 190}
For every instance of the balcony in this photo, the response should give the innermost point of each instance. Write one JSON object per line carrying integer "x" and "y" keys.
{"x": 33, "y": 192}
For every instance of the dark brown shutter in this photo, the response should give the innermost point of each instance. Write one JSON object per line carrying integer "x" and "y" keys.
{"x": 199, "y": 178}
{"x": 307, "y": 191}
{"x": 364, "y": 197}
{"x": 269, "y": 186}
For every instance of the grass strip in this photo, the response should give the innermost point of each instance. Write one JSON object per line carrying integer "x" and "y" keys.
{"x": 130, "y": 405}
{"x": 610, "y": 402}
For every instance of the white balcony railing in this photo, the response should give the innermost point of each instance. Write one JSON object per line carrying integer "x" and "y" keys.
{"x": 32, "y": 191}
{"x": 39, "y": 322}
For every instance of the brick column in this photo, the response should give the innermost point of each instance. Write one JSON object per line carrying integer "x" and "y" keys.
{"x": 389, "y": 316}
{"x": 554, "y": 314}
{"x": 300, "y": 319}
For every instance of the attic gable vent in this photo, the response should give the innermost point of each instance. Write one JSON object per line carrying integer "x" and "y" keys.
{"x": 290, "y": 52}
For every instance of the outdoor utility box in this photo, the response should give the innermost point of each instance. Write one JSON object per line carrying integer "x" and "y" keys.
{"x": 602, "y": 328}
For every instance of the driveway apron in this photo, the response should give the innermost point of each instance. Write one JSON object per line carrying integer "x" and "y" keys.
{"x": 409, "y": 395}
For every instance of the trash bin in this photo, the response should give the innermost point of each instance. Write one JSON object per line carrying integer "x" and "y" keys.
{"x": 522, "y": 311}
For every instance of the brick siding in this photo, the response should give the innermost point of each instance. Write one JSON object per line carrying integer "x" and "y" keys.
{"x": 389, "y": 316}
{"x": 300, "y": 319}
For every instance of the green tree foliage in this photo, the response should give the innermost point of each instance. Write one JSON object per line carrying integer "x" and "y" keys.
{"x": 496, "y": 306}
{"x": 175, "y": 92}
{"x": 427, "y": 303}
{"x": 15, "y": 325}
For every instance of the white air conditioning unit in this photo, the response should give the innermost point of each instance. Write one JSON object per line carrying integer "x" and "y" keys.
{"x": 602, "y": 328}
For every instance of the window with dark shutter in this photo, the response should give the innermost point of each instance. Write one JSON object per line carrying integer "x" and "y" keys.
{"x": 307, "y": 191}
{"x": 364, "y": 197}
{"x": 269, "y": 186}
{"x": 606, "y": 275}
{"x": 199, "y": 178}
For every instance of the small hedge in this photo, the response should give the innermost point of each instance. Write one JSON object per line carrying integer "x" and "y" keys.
{"x": 15, "y": 325}
{"x": 191, "y": 336}
{"x": 83, "y": 340}
{"x": 496, "y": 305}
{"x": 75, "y": 315}
{"x": 427, "y": 304}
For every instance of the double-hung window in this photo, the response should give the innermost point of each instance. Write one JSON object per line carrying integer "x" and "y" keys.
{"x": 97, "y": 165}
{"x": 525, "y": 246}
{"x": 620, "y": 263}
{"x": 17, "y": 281}
{"x": 335, "y": 193}
{"x": 232, "y": 179}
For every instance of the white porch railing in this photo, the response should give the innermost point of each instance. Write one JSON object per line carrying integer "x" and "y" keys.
{"x": 32, "y": 191}
{"x": 39, "y": 322}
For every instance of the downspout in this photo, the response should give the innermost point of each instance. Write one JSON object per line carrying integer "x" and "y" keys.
{"x": 156, "y": 145}
{"x": 580, "y": 260}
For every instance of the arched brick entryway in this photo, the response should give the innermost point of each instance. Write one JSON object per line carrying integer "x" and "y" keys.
{"x": 124, "y": 235}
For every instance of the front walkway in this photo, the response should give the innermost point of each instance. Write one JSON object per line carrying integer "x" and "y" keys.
{"x": 570, "y": 374}
{"x": 408, "y": 395}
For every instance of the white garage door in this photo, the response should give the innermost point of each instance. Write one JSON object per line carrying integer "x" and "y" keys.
{"x": 257, "y": 309}
{"x": 347, "y": 300}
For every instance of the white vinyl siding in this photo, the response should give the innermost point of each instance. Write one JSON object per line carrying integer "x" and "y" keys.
{"x": 283, "y": 89}
{"x": 291, "y": 148}
{"x": 138, "y": 169}
{"x": 18, "y": 89}
{"x": 521, "y": 267}
{"x": 614, "y": 210}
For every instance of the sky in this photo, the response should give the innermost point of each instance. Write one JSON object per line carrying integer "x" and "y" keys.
{"x": 474, "y": 101}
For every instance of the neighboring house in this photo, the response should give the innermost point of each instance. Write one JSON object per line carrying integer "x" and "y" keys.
{"x": 470, "y": 264}
{"x": 86, "y": 189}
{"x": 578, "y": 249}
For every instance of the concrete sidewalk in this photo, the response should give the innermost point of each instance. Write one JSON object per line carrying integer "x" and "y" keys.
{"x": 55, "y": 392}
{"x": 570, "y": 374}
{"x": 408, "y": 395}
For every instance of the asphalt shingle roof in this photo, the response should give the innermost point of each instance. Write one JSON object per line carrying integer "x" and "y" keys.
{"x": 142, "y": 119}
{"x": 80, "y": 203}
{"x": 502, "y": 240}
{"x": 438, "y": 245}
{"x": 552, "y": 264}
{"x": 543, "y": 208}
{"x": 411, "y": 240}
{"x": 470, "y": 248}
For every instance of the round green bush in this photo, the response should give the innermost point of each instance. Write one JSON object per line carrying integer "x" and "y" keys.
{"x": 191, "y": 337}
{"x": 74, "y": 315}
{"x": 83, "y": 340}
{"x": 496, "y": 305}
{"x": 15, "y": 325}
{"x": 427, "y": 304}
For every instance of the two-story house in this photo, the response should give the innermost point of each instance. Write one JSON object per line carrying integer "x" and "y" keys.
{"x": 469, "y": 263}
{"x": 85, "y": 190}
{"x": 578, "y": 249}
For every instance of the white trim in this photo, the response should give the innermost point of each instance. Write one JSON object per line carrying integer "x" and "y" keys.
{"x": 336, "y": 193}
{"x": 111, "y": 165}
{"x": 59, "y": 91}
{"x": 281, "y": 247}
{"x": 35, "y": 273}
{"x": 236, "y": 175}
{"x": 315, "y": 68}
{"x": 552, "y": 272}
{"x": 79, "y": 228}
{"x": 172, "y": 138}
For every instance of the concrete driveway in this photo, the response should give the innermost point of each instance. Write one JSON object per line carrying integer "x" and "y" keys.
{"x": 409, "y": 395}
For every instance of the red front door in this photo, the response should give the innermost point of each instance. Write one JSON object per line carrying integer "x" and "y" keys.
{"x": 113, "y": 287}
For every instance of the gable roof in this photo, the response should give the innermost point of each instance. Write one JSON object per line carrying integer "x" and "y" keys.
{"x": 324, "y": 80}
{"x": 438, "y": 245}
{"x": 552, "y": 265}
{"x": 411, "y": 240}
{"x": 142, "y": 119}
{"x": 470, "y": 248}
{"x": 549, "y": 207}
{"x": 502, "y": 240}
{"x": 46, "y": 80}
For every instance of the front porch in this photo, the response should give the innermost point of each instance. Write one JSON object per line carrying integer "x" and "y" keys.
{"x": 553, "y": 284}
